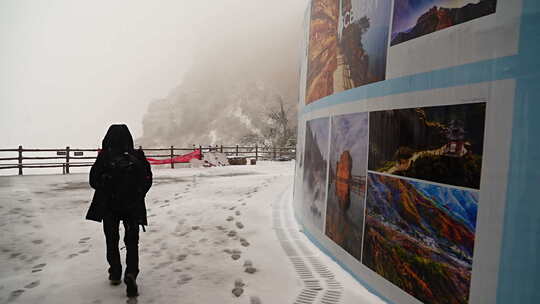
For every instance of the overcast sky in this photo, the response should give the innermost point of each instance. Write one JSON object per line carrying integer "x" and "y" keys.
{"x": 68, "y": 69}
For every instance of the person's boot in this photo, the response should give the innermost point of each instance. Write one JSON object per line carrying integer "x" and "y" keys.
{"x": 131, "y": 285}
{"x": 114, "y": 280}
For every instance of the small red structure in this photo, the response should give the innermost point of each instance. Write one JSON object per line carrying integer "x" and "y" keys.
{"x": 178, "y": 159}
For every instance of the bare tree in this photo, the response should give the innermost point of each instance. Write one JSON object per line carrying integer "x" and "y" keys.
{"x": 278, "y": 130}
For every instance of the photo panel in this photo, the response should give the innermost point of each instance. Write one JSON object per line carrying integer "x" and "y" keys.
{"x": 322, "y": 49}
{"x": 416, "y": 18}
{"x": 363, "y": 42}
{"x": 348, "y": 43}
{"x": 347, "y": 181}
{"x": 420, "y": 237}
{"x": 315, "y": 170}
{"x": 442, "y": 144}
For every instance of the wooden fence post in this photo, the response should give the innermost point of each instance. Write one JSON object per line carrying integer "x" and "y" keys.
{"x": 67, "y": 160}
{"x": 236, "y": 150}
{"x": 256, "y": 152}
{"x": 20, "y": 161}
{"x": 172, "y": 157}
{"x": 221, "y": 149}
{"x": 273, "y": 153}
{"x": 200, "y": 151}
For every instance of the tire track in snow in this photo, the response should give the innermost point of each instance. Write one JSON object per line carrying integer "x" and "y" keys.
{"x": 319, "y": 283}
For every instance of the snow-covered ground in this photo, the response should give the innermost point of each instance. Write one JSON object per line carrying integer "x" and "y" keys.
{"x": 206, "y": 226}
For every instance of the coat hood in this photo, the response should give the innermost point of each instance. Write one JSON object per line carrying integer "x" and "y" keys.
{"x": 118, "y": 137}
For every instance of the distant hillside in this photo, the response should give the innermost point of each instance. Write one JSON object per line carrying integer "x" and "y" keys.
{"x": 240, "y": 74}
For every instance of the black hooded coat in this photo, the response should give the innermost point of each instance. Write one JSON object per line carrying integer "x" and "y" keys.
{"x": 117, "y": 141}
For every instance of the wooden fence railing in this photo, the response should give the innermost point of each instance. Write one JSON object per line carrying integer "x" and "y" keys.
{"x": 67, "y": 158}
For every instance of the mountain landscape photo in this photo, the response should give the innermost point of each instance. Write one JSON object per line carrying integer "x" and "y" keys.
{"x": 416, "y": 18}
{"x": 348, "y": 43}
{"x": 442, "y": 144}
{"x": 347, "y": 181}
{"x": 421, "y": 237}
{"x": 363, "y": 42}
{"x": 315, "y": 165}
{"x": 322, "y": 49}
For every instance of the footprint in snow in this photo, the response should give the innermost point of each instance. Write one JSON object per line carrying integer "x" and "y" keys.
{"x": 184, "y": 279}
{"x": 37, "y": 242}
{"x": 250, "y": 269}
{"x": 236, "y": 254}
{"x": 72, "y": 256}
{"x": 244, "y": 242}
{"x": 162, "y": 265}
{"x": 181, "y": 257}
{"x": 15, "y": 294}
{"x": 32, "y": 285}
{"x": 239, "y": 225}
{"x": 230, "y": 218}
{"x": 39, "y": 266}
{"x": 238, "y": 287}
{"x": 237, "y": 213}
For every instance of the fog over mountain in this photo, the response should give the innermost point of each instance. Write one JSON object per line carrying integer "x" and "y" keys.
{"x": 72, "y": 68}
{"x": 244, "y": 67}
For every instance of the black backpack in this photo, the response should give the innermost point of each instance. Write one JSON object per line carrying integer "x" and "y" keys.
{"x": 125, "y": 182}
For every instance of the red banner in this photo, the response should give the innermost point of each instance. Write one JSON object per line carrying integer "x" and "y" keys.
{"x": 178, "y": 159}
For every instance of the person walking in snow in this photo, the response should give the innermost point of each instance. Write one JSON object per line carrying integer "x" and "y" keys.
{"x": 121, "y": 177}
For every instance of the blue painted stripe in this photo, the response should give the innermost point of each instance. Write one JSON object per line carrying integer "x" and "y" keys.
{"x": 482, "y": 71}
{"x": 519, "y": 270}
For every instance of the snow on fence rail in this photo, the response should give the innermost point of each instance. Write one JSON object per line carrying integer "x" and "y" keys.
{"x": 76, "y": 157}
